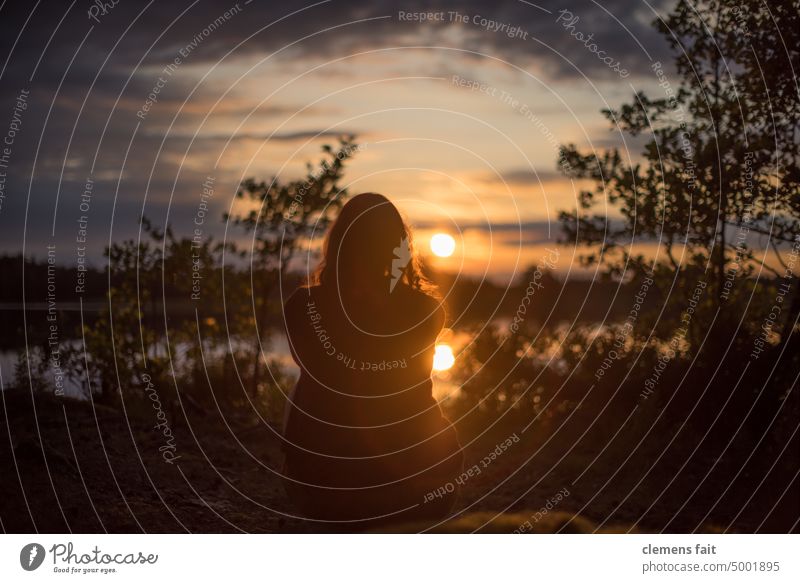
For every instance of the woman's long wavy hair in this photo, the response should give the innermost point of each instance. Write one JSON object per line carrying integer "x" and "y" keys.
{"x": 361, "y": 246}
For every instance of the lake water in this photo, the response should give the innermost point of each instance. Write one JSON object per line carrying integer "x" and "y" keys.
{"x": 443, "y": 387}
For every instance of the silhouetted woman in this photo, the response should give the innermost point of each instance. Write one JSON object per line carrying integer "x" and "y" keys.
{"x": 365, "y": 437}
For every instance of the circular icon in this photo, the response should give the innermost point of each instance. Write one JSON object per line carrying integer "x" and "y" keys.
{"x": 31, "y": 556}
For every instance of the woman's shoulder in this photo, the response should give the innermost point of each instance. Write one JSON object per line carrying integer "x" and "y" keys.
{"x": 301, "y": 299}
{"x": 425, "y": 306}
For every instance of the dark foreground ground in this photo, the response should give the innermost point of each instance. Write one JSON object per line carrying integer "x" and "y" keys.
{"x": 68, "y": 466}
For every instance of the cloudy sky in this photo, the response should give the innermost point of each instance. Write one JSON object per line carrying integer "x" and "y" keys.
{"x": 460, "y": 107}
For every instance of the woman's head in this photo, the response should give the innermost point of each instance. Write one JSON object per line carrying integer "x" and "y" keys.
{"x": 369, "y": 247}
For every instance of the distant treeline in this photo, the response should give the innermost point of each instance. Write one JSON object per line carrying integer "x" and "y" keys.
{"x": 469, "y": 300}
{"x": 16, "y": 269}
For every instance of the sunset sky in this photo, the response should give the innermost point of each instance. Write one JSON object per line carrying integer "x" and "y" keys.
{"x": 459, "y": 116}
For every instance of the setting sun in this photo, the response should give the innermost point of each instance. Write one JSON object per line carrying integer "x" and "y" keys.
{"x": 443, "y": 357}
{"x": 443, "y": 245}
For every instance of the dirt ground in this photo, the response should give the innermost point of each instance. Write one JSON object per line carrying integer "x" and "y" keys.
{"x": 70, "y": 467}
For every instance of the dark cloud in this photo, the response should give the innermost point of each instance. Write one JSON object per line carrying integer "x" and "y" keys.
{"x": 325, "y": 135}
{"x": 523, "y": 233}
{"x": 156, "y": 32}
{"x": 89, "y": 79}
{"x": 527, "y": 176}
